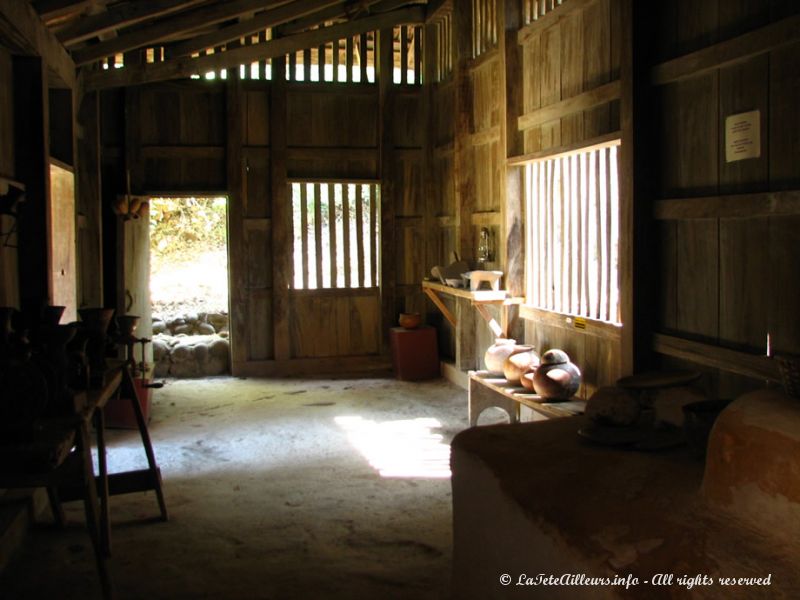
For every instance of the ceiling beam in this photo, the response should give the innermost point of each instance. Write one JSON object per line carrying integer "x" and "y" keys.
{"x": 54, "y": 9}
{"x": 119, "y": 17}
{"x": 21, "y": 26}
{"x": 166, "y": 28}
{"x": 340, "y": 11}
{"x": 268, "y": 18}
{"x": 181, "y": 68}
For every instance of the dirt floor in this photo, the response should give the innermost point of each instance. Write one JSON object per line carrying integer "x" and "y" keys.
{"x": 287, "y": 489}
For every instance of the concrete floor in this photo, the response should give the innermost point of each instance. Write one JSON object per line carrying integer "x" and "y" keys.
{"x": 277, "y": 489}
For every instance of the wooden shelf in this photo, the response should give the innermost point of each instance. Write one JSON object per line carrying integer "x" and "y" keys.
{"x": 519, "y": 395}
{"x": 479, "y": 299}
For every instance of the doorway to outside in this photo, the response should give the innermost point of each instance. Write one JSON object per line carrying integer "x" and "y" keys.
{"x": 189, "y": 286}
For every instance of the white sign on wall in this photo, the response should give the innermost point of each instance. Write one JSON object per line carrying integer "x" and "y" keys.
{"x": 743, "y": 136}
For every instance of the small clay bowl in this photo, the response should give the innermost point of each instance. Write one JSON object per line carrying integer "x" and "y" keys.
{"x": 409, "y": 320}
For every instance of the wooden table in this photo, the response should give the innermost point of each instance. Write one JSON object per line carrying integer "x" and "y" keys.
{"x": 486, "y": 391}
{"x": 49, "y": 460}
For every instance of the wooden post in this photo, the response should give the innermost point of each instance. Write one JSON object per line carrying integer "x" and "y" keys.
{"x": 89, "y": 198}
{"x": 388, "y": 247}
{"x": 463, "y": 153}
{"x": 32, "y": 169}
{"x": 281, "y": 213}
{"x": 627, "y": 164}
{"x": 238, "y": 264}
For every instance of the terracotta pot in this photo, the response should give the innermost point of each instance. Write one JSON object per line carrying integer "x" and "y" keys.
{"x": 519, "y": 362}
{"x": 497, "y": 354}
{"x": 51, "y": 315}
{"x": 409, "y": 320}
{"x": 526, "y": 380}
{"x": 556, "y": 378}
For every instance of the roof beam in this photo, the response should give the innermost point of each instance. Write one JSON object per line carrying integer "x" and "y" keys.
{"x": 182, "y": 68}
{"x": 269, "y": 18}
{"x": 54, "y": 9}
{"x": 166, "y": 28}
{"x": 120, "y": 17}
{"x": 21, "y": 26}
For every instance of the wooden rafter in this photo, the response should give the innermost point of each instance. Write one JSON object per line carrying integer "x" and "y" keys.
{"x": 182, "y": 68}
{"x": 169, "y": 27}
{"x": 54, "y": 9}
{"x": 120, "y": 17}
{"x": 21, "y": 26}
{"x": 268, "y": 18}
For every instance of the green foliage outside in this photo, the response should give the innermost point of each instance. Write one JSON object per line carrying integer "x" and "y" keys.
{"x": 188, "y": 256}
{"x": 180, "y": 228}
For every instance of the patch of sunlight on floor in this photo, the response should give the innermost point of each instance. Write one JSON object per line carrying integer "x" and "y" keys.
{"x": 405, "y": 448}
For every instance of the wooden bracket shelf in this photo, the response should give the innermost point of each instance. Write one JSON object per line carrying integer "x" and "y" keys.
{"x": 479, "y": 299}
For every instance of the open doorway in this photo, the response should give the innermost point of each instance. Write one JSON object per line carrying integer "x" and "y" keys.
{"x": 189, "y": 286}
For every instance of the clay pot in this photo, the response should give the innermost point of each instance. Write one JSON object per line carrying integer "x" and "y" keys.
{"x": 95, "y": 322}
{"x": 518, "y": 362}
{"x": 127, "y": 324}
{"x": 51, "y": 315}
{"x": 497, "y": 354}
{"x": 556, "y": 378}
{"x": 526, "y": 380}
{"x": 409, "y": 320}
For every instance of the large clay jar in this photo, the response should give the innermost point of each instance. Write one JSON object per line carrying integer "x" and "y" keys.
{"x": 518, "y": 362}
{"x": 497, "y": 354}
{"x": 556, "y": 378}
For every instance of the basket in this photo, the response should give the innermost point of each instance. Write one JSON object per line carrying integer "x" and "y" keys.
{"x": 789, "y": 366}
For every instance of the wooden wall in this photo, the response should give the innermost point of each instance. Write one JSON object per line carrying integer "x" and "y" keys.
{"x": 728, "y": 232}
{"x": 568, "y": 58}
{"x": 545, "y": 87}
{"x": 9, "y": 289}
{"x": 248, "y": 139}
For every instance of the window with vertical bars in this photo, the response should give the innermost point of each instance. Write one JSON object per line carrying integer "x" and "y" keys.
{"x": 336, "y": 235}
{"x": 572, "y": 234}
{"x": 348, "y": 60}
{"x": 484, "y": 26}
{"x": 443, "y": 30}
{"x": 407, "y": 52}
{"x": 533, "y": 10}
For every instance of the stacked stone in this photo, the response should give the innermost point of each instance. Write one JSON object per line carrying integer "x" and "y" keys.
{"x": 191, "y": 345}
{"x": 192, "y": 323}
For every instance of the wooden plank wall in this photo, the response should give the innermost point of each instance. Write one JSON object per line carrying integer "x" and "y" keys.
{"x": 9, "y": 286}
{"x": 727, "y": 279}
{"x": 248, "y": 139}
{"x": 567, "y": 55}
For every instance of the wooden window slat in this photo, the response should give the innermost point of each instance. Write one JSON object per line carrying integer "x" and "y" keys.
{"x": 304, "y": 233}
{"x": 373, "y": 233}
{"x": 349, "y": 59}
{"x": 359, "y": 223}
{"x": 332, "y": 233}
{"x": 363, "y": 58}
{"x": 318, "y": 233}
{"x": 348, "y": 280}
{"x": 335, "y": 60}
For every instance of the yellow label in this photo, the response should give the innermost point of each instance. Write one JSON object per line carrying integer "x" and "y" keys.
{"x": 579, "y": 323}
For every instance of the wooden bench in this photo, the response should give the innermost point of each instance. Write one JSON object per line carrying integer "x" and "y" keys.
{"x": 486, "y": 390}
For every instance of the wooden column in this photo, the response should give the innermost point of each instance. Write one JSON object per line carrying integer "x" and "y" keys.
{"x": 388, "y": 200}
{"x": 32, "y": 169}
{"x": 238, "y": 275}
{"x": 89, "y": 202}
{"x": 463, "y": 163}
{"x": 281, "y": 213}
{"x": 627, "y": 230}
